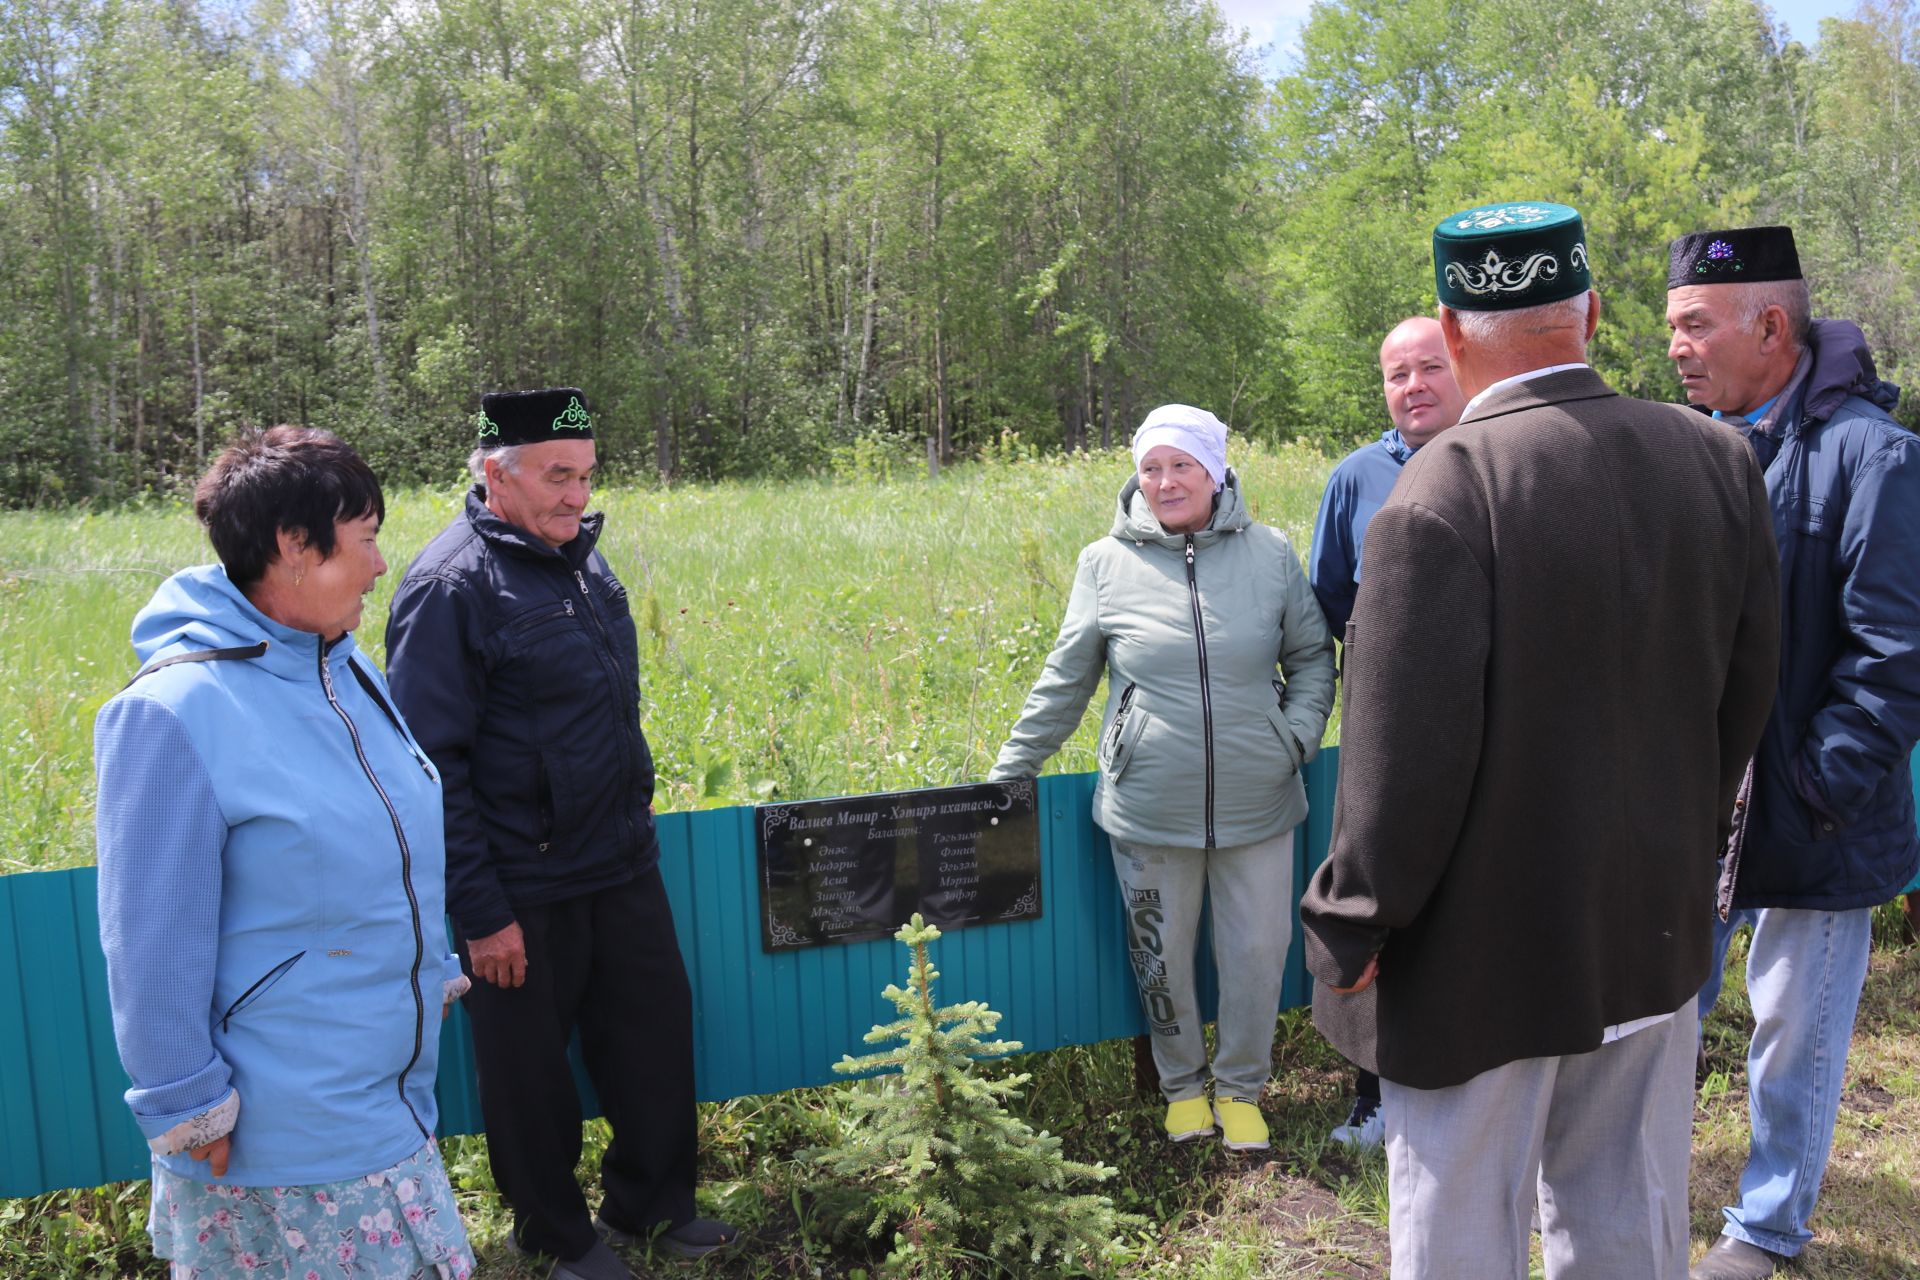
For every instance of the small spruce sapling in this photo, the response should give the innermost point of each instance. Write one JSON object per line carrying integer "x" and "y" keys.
{"x": 950, "y": 1167}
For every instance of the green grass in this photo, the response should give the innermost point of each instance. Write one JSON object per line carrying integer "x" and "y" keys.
{"x": 812, "y": 638}
{"x": 870, "y": 631}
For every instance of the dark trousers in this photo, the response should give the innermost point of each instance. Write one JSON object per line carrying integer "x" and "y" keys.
{"x": 606, "y": 963}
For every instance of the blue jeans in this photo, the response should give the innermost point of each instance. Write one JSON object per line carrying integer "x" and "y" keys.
{"x": 1804, "y": 974}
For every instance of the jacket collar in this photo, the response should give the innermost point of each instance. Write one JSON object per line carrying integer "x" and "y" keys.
{"x": 1840, "y": 365}
{"x": 1553, "y": 388}
{"x": 1133, "y": 519}
{"x": 201, "y": 608}
{"x": 517, "y": 541}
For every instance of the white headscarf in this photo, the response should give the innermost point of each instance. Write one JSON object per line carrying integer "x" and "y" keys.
{"x": 1190, "y": 430}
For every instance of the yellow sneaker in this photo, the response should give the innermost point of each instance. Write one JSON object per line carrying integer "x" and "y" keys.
{"x": 1188, "y": 1119}
{"x": 1242, "y": 1127}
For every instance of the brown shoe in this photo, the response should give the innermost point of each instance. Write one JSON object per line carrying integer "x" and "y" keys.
{"x": 1731, "y": 1259}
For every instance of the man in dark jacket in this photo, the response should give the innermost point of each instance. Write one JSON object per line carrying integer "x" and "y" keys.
{"x": 1422, "y": 401}
{"x": 1829, "y": 826}
{"x": 1510, "y": 925}
{"x": 513, "y": 656}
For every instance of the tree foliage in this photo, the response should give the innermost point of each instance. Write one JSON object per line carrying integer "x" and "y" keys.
{"x": 760, "y": 231}
{"x": 952, "y": 1171}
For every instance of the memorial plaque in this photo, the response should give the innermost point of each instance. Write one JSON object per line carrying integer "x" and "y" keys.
{"x": 857, "y": 867}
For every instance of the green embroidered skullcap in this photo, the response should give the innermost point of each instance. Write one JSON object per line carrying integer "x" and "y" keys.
{"x": 530, "y": 417}
{"x": 1500, "y": 257}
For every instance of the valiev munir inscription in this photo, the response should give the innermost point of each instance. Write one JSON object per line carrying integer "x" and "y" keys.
{"x": 855, "y": 868}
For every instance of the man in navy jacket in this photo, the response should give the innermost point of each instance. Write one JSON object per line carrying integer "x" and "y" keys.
{"x": 1828, "y": 815}
{"x": 513, "y": 657}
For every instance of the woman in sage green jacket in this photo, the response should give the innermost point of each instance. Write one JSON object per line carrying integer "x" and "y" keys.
{"x": 1220, "y": 678}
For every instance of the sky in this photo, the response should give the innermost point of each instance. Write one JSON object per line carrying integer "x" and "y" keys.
{"x": 1277, "y": 23}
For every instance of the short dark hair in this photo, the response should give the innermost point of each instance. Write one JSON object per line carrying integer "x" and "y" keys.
{"x": 300, "y": 479}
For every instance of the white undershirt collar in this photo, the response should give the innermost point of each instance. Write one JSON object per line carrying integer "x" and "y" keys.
{"x": 1521, "y": 377}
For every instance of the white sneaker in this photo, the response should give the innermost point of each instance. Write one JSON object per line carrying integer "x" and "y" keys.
{"x": 1365, "y": 1129}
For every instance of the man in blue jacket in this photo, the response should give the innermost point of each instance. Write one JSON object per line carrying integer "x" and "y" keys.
{"x": 1422, "y": 401}
{"x": 513, "y": 656}
{"x": 1825, "y": 828}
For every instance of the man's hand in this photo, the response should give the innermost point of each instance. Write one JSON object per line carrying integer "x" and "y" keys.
{"x": 215, "y": 1153}
{"x": 500, "y": 958}
{"x": 1365, "y": 980}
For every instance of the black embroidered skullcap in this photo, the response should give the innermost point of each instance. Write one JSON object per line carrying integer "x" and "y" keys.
{"x": 1739, "y": 256}
{"x": 530, "y": 417}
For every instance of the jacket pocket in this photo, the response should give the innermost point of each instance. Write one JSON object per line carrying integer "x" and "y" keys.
{"x": 260, "y": 987}
{"x": 1117, "y": 744}
{"x": 1284, "y": 731}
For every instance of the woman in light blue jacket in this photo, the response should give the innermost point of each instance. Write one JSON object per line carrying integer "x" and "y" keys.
{"x": 271, "y": 894}
{"x": 1219, "y": 679}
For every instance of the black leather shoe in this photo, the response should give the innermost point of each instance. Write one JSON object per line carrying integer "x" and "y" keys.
{"x": 697, "y": 1238}
{"x": 1732, "y": 1259}
{"x": 597, "y": 1263}
{"x": 693, "y": 1239}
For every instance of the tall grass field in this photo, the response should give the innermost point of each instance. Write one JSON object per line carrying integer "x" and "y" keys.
{"x": 861, "y": 631}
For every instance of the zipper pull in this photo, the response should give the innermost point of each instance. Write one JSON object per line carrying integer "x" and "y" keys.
{"x": 1189, "y": 551}
{"x": 569, "y": 607}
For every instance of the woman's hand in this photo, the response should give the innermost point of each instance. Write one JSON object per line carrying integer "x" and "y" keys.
{"x": 215, "y": 1153}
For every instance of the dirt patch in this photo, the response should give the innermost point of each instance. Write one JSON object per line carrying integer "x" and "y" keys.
{"x": 1312, "y": 1234}
{"x": 1868, "y": 1099}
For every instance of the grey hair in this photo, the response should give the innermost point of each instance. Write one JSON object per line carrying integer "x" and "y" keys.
{"x": 1499, "y": 328}
{"x": 507, "y": 455}
{"x": 1791, "y": 296}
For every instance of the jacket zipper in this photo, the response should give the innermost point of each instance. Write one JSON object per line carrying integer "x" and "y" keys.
{"x": 607, "y": 656}
{"x": 266, "y": 979}
{"x": 1119, "y": 721}
{"x": 406, "y": 881}
{"x": 1206, "y": 695}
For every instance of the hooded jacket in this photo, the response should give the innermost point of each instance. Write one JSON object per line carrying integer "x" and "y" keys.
{"x": 518, "y": 668}
{"x": 1355, "y": 490}
{"x": 270, "y": 894}
{"x": 1832, "y": 824}
{"x": 1203, "y": 739}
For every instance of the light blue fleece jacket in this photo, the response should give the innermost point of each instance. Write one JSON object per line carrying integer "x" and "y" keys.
{"x": 271, "y": 895}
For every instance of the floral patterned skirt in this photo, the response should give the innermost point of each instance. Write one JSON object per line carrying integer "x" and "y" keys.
{"x": 397, "y": 1224}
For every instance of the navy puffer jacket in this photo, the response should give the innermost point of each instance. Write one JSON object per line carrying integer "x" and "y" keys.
{"x": 517, "y": 668}
{"x": 1832, "y": 826}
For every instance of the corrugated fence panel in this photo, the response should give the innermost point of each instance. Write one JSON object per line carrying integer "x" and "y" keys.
{"x": 762, "y": 1022}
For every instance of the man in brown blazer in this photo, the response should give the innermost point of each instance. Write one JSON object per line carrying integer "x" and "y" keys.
{"x": 1517, "y": 900}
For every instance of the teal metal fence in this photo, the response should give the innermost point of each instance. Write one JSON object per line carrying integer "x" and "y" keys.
{"x": 762, "y": 1023}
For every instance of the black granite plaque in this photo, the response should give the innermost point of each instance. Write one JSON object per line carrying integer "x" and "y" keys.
{"x": 855, "y": 868}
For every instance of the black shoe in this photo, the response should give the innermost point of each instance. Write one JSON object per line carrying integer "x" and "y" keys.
{"x": 597, "y": 1263}
{"x": 692, "y": 1239}
{"x": 698, "y": 1238}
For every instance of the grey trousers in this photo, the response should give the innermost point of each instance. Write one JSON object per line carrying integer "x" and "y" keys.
{"x": 1600, "y": 1140}
{"x": 1252, "y": 904}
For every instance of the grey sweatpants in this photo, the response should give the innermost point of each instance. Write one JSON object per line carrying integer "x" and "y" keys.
{"x": 1252, "y": 896}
